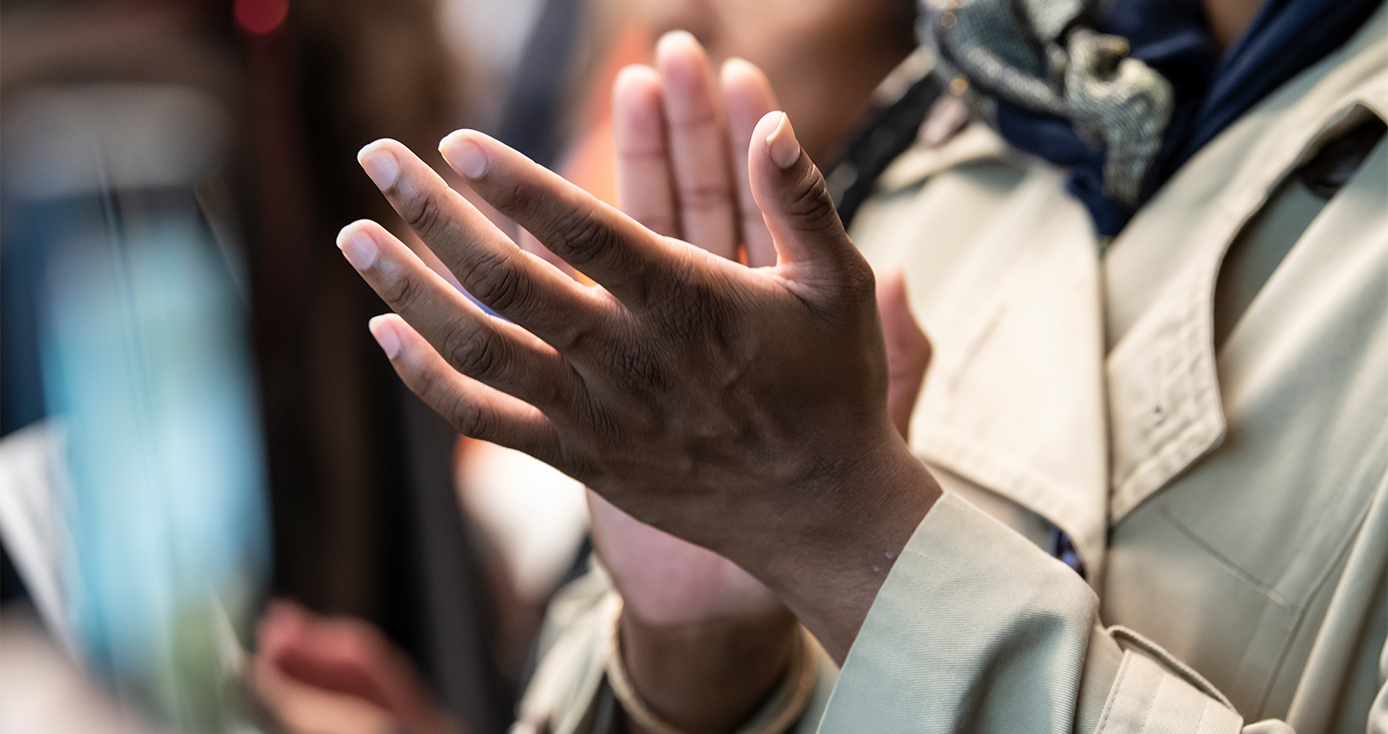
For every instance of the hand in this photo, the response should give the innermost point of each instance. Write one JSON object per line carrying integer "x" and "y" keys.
{"x": 742, "y": 409}
{"x": 339, "y": 674}
{"x": 675, "y": 138}
{"x": 704, "y": 640}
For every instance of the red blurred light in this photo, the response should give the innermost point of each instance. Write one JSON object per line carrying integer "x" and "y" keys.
{"x": 261, "y": 16}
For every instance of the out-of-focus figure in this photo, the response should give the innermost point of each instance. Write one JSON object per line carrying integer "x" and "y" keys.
{"x": 134, "y": 494}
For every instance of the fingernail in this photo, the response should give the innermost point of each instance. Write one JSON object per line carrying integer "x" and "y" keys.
{"x": 782, "y": 145}
{"x": 466, "y": 156}
{"x": 380, "y": 164}
{"x": 385, "y": 335}
{"x": 357, "y": 246}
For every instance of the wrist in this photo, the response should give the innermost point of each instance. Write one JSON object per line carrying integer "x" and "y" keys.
{"x": 709, "y": 676}
{"x": 858, "y": 516}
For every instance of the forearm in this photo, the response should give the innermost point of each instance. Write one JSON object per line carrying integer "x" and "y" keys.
{"x": 712, "y": 675}
{"x": 709, "y": 676}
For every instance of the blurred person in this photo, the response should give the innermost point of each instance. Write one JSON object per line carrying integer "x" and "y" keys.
{"x": 1250, "y": 276}
{"x": 133, "y": 493}
{"x": 340, "y": 466}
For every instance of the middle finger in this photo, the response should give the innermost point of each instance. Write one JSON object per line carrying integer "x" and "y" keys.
{"x": 512, "y": 282}
{"x": 698, "y": 146}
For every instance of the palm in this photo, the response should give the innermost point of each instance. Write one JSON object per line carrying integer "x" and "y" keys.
{"x": 668, "y": 581}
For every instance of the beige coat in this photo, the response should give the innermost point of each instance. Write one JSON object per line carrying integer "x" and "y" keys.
{"x": 1228, "y": 491}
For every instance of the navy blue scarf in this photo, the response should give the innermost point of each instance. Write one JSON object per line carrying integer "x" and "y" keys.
{"x": 1172, "y": 37}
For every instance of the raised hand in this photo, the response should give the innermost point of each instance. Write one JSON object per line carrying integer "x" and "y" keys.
{"x": 675, "y": 134}
{"x": 705, "y": 641}
{"x": 744, "y": 409}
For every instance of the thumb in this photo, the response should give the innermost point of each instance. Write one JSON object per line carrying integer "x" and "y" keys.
{"x": 908, "y": 349}
{"x": 794, "y": 200}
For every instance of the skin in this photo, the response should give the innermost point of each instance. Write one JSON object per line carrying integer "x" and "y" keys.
{"x": 1229, "y": 18}
{"x": 703, "y": 640}
{"x": 823, "y": 57}
{"x": 742, "y": 409}
{"x": 691, "y": 617}
{"x": 301, "y": 656}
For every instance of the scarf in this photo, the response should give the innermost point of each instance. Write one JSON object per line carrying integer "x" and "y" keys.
{"x": 1123, "y": 92}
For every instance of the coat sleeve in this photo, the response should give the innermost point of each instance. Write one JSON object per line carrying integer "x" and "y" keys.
{"x": 978, "y": 630}
{"x": 568, "y": 693}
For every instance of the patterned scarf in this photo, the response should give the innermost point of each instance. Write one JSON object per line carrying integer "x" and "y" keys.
{"x": 1125, "y": 91}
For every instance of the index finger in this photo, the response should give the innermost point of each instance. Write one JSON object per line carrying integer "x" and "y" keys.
{"x": 512, "y": 282}
{"x": 698, "y": 146}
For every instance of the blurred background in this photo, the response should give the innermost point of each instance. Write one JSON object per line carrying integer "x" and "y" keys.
{"x": 202, "y": 451}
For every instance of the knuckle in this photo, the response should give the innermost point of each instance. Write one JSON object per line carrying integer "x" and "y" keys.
{"x": 582, "y": 237}
{"x": 498, "y": 282}
{"x": 424, "y": 215}
{"x": 576, "y": 336}
{"x": 358, "y": 644}
{"x": 471, "y": 352}
{"x": 687, "y": 303}
{"x": 809, "y": 204}
{"x": 690, "y": 311}
{"x": 514, "y": 197}
{"x": 467, "y": 417}
{"x": 401, "y": 292}
{"x": 698, "y": 123}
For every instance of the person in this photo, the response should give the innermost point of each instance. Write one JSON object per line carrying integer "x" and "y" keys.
{"x": 1235, "y": 374}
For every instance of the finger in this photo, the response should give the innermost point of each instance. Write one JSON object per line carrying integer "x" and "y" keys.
{"x": 747, "y": 96}
{"x": 531, "y": 245}
{"x": 350, "y": 656}
{"x": 645, "y": 189}
{"x": 797, "y": 207}
{"x": 698, "y": 146}
{"x": 601, "y": 242}
{"x": 493, "y": 351}
{"x": 908, "y": 349}
{"x": 279, "y": 627}
{"x": 489, "y": 265}
{"x": 474, "y": 409}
